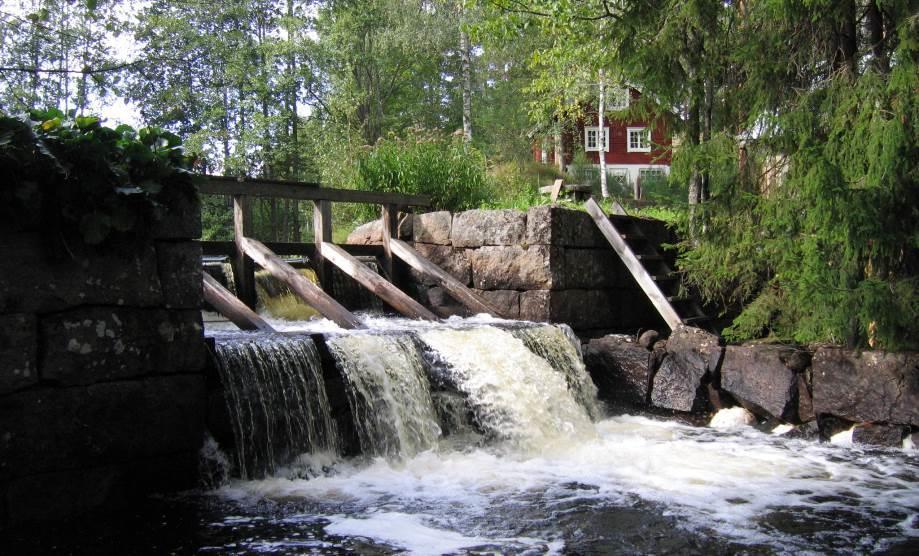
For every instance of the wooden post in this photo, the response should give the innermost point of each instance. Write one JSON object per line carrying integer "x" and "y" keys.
{"x": 390, "y": 231}
{"x": 458, "y": 290}
{"x": 375, "y": 283}
{"x": 227, "y": 305}
{"x": 299, "y": 284}
{"x": 556, "y": 190}
{"x": 243, "y": 267}
{"x": 322, "y": 233}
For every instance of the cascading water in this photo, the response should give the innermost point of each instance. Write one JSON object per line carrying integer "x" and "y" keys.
{"x": 388, "y": 392}
{"x": 276, "y": 400}
{"x": 558, "y": 345}
{"x": 515, "y": 394}
{"x": 488, "y": 437}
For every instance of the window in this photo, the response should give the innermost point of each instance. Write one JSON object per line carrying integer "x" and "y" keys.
{"x": 619, "y": 98}
{"x": 590, "y": 139}
{"x": 617, "y": 181}
{"x": 639, "y": 140}
{"x": 645, "y": 174}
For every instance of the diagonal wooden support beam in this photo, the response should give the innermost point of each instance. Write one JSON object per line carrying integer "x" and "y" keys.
{"x": 232, "y": 308}
{"x": 458, "y": 290}
{"x": 375, "y": 283}
{"x": 299, "y": 284}
{"x": 631, "y": 261}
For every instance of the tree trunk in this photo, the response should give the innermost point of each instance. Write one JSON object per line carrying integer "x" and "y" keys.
{"x": 874, "y": 24}
{"x": 601, "y": 143}
{"x": 559, "y": 149}
{"x": 467, "y": 86}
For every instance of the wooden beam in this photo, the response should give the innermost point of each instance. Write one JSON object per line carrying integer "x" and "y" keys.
{"x": 225, "y": 303}
{"x": 556, "y": 189}
{"x": 322, "y": 232}
{"x": 299, "y": 284}
{"x": 228, "y": 248}
{"x": 645, "y": 281}
{"x": 390, "y": 230}
{"x": 375, "y": 283}
{"x": 223, "y": 185}
{"x": 243, "y": 268}
{"x": 458, "y": 290}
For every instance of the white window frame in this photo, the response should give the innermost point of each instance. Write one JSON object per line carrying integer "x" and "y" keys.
{"x": 652, "y": 170}
{"x": 595, "y": 129}
{"x": 619, "y": 98}
{"x": 646, "y": 148}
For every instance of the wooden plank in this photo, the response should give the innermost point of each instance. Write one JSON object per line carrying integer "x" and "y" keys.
{"x": 556, "y": 189}
{"x": 390, "y": 230}
{"x": 375, "y": 283}
{"x": 619, "y": 209}
{"x": 225, "y": 303}
{"x": 243, "y": 268}
{"x": 647, "y": 284}
{"x": 228, "y": 248}
{"x": 223, "y": 185}
{"x": 456, "y": 289}
{"x": 299, "y": 284}
{"x": 322, "y": 232}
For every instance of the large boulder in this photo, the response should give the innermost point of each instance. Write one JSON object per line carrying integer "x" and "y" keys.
{"x": 18, "y": 352}
{"x": 870, "y": 386}
{"x": 619, "y": 368}
{"x": 475, "y": 228}
{"x": 432, "y": 227}
{"x": 513, "y": 268}
{"x": 96, "y": 344}
{"x": 889, "y": 436}
{"x": 548, "y": 225}
{"x": 454, "y": 261}
{"x": 31, "y": 283}
{"x": 507, "y": 302}
{"x": 371, "y": 233}
{"x": 756, "y": 376}
{"x": 693, "y": 356}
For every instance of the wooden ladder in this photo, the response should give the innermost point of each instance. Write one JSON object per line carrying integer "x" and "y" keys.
{"x": 655, "y": 277}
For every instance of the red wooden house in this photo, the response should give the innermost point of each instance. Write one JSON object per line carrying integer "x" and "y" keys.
{"x": 634, "y": 150}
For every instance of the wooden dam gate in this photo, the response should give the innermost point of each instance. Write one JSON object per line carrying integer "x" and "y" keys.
{"x": 246, "y": 252}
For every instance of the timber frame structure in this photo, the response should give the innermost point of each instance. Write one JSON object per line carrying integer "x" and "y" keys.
{"x": 247, "y": 252}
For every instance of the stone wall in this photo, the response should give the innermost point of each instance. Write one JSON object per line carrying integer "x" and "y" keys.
{"x": 102, "y": 362}
{"x": 821, "y": 391}
{"x": 547, "y": 264}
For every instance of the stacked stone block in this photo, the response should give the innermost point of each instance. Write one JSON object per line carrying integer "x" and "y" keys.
{"x": 547, "y": 264}
{"x": 102, "y": 360}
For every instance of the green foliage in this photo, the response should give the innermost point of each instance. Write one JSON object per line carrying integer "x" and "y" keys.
{"x": 452, "y": 173}
{"x": 71, "y": 176}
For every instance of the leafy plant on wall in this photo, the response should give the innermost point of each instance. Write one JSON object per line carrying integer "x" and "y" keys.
{"x": 82, "y": 183}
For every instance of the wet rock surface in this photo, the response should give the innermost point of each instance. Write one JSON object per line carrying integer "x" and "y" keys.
{"x": 757, "y": 375}
{"x": 679, "y": 384}
{"x": 890, "y": 436}
{"x": 619, "y": 367}
{"x": 867, "y": 386}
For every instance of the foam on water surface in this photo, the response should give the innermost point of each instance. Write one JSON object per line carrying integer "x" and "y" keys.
{"x": 749, "y": 487}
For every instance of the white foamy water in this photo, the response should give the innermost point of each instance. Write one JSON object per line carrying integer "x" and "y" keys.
{"x": 515, "y": 394}
{"x": 742, "y": 486}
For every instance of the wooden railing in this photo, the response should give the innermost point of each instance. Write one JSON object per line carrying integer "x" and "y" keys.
{"x": 242, "y": 190}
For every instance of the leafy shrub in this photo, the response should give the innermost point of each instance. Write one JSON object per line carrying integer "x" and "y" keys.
{"x": 71, "y": 176}
{"x": 452, "y": 173}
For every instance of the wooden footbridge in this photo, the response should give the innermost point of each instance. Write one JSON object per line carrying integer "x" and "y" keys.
{"x": 647, "y": 266}
{"x": 247, "y": 252}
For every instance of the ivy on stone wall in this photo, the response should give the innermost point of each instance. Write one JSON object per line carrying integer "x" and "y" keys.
{"x": 81, "y": 183}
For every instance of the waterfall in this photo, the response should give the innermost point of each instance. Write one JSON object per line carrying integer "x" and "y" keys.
{"x": 515, "y": 394}
{"x": 403, "y": 391}
{"x": 388, "y": 392}
{"x": 558, "y": 345}
{"x": 276, "y": 400}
